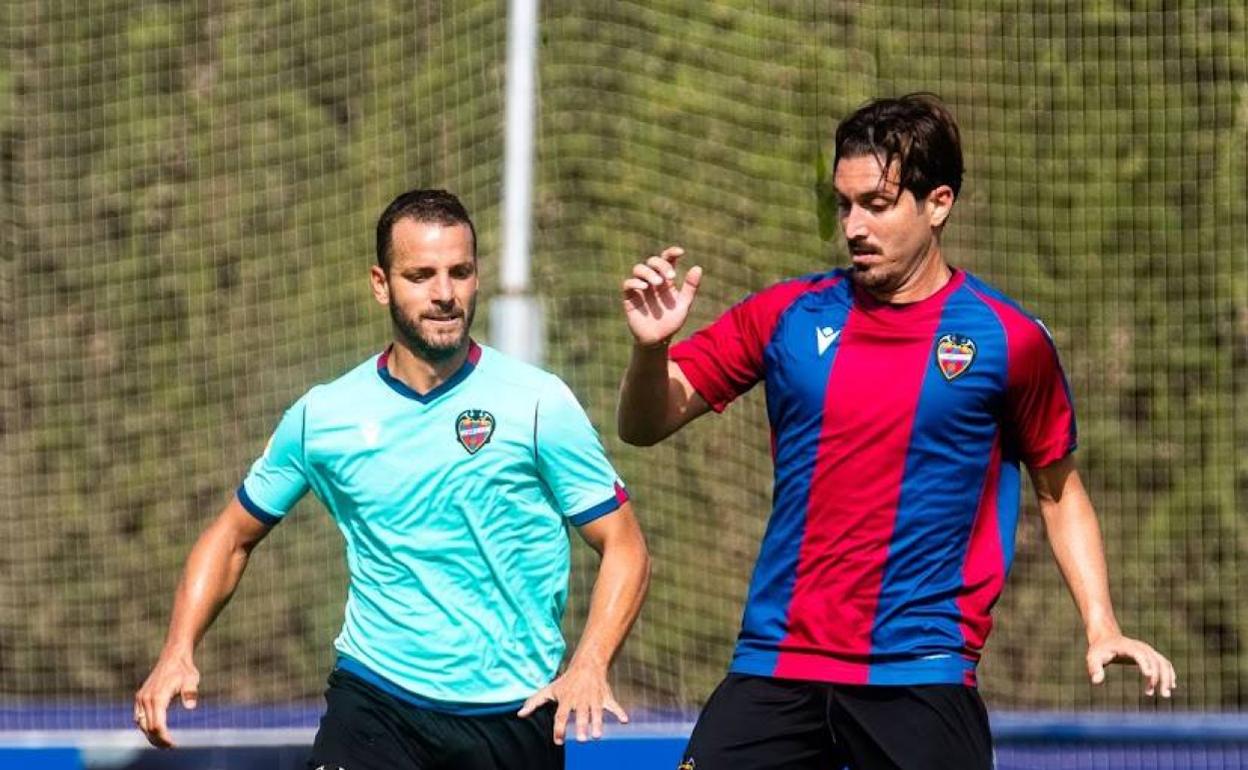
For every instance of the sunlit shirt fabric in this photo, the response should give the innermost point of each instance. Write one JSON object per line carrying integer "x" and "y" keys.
{"x": 454, "y": 506}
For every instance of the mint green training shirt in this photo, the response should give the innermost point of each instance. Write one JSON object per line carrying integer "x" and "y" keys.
{"x": 453, "y": 505}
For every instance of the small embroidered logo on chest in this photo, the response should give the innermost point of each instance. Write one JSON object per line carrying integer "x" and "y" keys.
{"x": 954, "y": 355}
{"x": 824, "y": 337}
{"x": 474, "y": 428}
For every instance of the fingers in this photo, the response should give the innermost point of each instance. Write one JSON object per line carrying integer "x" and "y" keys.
{"x": 662, "y": 267}
{"x": 158, "y": 732}
{"x": 561, "y": 723}
{"x": 589, "y": 716}
{"x": 634, "y": 285}
{"x": 1148, "y": 668}
{"x": 610, "y": 704}
{"x": 151, "y": 704}
{"x": 190, "y": 692}
{"x": 582, "y": 722}
{"x": 1149, "y": 663}
{"x": 595, "y": 722}
{"x": 150, "y": 712}
{"x": 689, "y": 288}
{"x": 580, "y": 700}
{"x": 1161, "y": 675}
{"x": 535, "y": 701}
{"x": 645, "y": 273}
{"x": 1158, "y": 672}
{"x": 654, "y": 271}
{"x": 671, "y": 254}
{"x": 1096, "y": 666}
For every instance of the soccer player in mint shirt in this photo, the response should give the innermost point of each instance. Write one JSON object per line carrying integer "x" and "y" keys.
{"x": 453, "y": 473}
{"x": 903, "y": 395}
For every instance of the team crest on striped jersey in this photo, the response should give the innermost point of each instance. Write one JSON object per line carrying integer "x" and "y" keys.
{"x": 474, "y": 428}
{"x": 954, "y": 355}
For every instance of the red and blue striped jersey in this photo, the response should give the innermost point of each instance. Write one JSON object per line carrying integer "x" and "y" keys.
{"x": 897, "y": 435}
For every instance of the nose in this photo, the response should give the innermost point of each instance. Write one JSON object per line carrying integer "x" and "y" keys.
{"x": 854, "y": 223}
{"x": 443, "y": 290}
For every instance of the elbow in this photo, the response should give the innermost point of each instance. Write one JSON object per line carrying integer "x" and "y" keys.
{"x": 634, "y": 437}
{"x": 635, "y": 434}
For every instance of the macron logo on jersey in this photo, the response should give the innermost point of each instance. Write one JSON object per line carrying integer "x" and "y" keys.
{"x": 825, "y": 336}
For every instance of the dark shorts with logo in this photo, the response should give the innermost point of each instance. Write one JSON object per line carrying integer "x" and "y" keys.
{"x": 763, "y": 723}
{"x": 365, "y": 728}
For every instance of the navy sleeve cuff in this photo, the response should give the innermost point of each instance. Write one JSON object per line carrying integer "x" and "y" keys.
{"x": 264, "y": 517}
{"x": 610, "y": 505}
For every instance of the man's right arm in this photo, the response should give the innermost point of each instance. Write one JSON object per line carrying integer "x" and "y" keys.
{"x": 212, "y": 572}
{"x": 656, "y": 398}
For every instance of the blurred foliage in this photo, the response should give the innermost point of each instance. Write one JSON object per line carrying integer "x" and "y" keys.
{"x": 190, "y": 190}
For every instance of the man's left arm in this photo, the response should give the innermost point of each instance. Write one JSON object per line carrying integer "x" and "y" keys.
{"x": 620, "y": 588}
{"x": 1075, "y": 537}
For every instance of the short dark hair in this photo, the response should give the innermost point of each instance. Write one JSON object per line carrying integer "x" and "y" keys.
{"x": 437, "y": 207}
{"x": 916, "y": 130}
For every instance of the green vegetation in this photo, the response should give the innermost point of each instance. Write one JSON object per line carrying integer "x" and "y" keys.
{"x": 189, "y": 195}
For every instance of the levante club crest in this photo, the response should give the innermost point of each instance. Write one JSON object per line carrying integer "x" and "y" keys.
{"x": 474, "y": 428}
{"x": 954, "y": 355}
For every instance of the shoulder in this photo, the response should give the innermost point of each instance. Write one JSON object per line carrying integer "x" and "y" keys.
{"x": 760, "y": 312}
{"x": 779, "y": 296}
{"x": 497, "y": 369}
{"x": 1023, "y": 330}
{"x": 342, "y": 392}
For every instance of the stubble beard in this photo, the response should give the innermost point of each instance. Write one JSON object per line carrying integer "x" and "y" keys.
{"x": 875, "y": 278}
{"x": 425, "y": 347}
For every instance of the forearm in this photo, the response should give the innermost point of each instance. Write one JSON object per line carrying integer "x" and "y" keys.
{"x": 619, "y": 590}
{"x": 1075, "y": 537}
{"x": 642, "y": 414}
{"x": 212, "y": 572}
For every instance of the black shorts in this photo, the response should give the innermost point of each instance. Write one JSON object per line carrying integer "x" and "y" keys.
{"x": 365, "y": 728}
{"x": 762, "y": 723}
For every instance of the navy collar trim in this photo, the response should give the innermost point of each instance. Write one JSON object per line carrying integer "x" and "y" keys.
{"x": 402, "y": 388}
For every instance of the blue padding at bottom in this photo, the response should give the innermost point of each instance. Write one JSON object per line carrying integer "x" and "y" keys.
{"x": 41, "y": 759}
{"x": 651, "y": 752}
{"x": 625, "y": 754}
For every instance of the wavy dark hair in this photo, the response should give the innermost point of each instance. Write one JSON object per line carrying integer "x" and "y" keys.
{"x": 916, "y": 131}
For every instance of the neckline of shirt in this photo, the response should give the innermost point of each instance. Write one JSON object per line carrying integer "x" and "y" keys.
{"x": 403, "y": 389}
{"x": 870, "y": 304}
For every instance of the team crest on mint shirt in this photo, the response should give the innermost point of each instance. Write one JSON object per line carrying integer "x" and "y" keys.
{"x": 474, "y": 428}
{"x": 954, "y": 355}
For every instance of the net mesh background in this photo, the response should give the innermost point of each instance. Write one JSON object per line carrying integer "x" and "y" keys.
{"x": 190, "y": 192}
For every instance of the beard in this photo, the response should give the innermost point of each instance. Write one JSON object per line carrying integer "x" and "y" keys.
{"x": 434, "y": 348}
{"x": 873, "y": 277}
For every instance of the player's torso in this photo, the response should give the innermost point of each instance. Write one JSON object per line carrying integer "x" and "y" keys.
{"x": 447, "y": 481}
{"x": 854, "y": 376}
{"x": 885, "y": 421}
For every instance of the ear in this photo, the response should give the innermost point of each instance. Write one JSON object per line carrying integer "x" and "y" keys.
{"x": 940, "y": 205}
{"x": 378, "y": 283}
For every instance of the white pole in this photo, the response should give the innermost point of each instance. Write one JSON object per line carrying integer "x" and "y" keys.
{"x": 515, "y": 316}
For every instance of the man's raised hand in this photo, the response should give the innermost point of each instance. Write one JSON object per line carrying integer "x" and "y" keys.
{"x": 654, "y": 306}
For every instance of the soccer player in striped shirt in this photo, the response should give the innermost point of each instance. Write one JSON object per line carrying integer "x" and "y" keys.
{"x": 904, "y": 394}
{"x": 453, "y": 473}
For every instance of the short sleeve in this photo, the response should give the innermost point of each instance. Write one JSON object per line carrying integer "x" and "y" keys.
{"x": 1040, "y": 410}
{"x": 278, "y": 479}
{"x": 571, "y": 460}
{"x": 724, "y": 360}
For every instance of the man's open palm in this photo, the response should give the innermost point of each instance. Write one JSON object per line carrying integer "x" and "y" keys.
{"x": 654, "y": 306}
